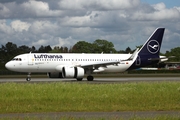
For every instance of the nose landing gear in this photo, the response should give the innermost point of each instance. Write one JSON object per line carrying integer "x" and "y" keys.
{"x": 28, "y": 77}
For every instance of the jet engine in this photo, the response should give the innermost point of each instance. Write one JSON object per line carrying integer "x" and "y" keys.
{"x": 73, "y": 72}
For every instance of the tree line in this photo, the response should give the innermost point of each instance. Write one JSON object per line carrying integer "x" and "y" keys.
{"x": 10, "y": 50}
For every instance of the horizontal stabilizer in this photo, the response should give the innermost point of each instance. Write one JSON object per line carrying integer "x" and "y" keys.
{"x": 161, "y": 59}
{"x": 154, "y": 59}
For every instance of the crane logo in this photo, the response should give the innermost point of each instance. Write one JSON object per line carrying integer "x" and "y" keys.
{"x": 153, "y": 46}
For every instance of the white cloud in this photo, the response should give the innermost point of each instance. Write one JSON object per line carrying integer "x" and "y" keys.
{"x": 66, "y": 42}
{"x": 27, "y": 9}
{"x": 4, "y": 28}
{"x": 38, "y": 8}
{"x": 160, "y": 12}
{"x": 40, "y": 27}
{"x": 40, "y": 42}
{"x": 19, "y": 26}
{"x": 97, "y": 4}
{"x": 159, "y": 6}
{"x": 64, "y": 22}
{"x": 4, "y": 11}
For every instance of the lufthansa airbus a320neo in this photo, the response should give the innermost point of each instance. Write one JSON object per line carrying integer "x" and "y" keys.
{"x": 71, "y": 65}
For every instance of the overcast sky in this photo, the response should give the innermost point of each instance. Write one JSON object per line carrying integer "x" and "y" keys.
{"x": 126, "y": 23}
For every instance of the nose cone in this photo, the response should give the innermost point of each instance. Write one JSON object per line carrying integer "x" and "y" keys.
{"x": 9, "y": 65}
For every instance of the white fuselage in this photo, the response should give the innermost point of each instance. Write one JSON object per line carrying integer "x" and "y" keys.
{"x": 49, "y": 62}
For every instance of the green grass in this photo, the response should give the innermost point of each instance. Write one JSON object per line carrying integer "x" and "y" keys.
{"x": 58, "y": 97}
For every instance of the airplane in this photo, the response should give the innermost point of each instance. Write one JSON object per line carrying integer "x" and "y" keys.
{"x": 73, "y": 65}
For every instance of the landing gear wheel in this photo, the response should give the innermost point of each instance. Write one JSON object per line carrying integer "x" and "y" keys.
{"x": 90, "y": 78}
{"x": 28, "y": 79}
{"x": 79, "y": 79}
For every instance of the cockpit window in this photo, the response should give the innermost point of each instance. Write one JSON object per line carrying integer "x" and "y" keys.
{"x": 16, "y": 59}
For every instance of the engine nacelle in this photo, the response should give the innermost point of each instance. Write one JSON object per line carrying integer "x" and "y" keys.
{"x": 72, "y": 72}
{"x": 55, "y": 75}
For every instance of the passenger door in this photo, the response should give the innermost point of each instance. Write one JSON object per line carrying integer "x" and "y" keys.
{"x": 30, "y": 59}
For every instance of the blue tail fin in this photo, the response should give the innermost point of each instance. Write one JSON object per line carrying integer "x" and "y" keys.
{"x": 149, "y": 53}
{"x": 153, "y": 44}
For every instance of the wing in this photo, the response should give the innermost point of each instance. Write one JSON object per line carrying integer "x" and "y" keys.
{"x": 94, "y": 66}
{"x": 98, "y": 64}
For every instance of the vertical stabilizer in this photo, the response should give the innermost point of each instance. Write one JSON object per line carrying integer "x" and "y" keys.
{"x": 149, "y": 52}
{"x": 153, "y": 44}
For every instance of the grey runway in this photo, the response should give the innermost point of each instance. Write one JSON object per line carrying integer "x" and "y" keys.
{"x": 97, "y": 80}
{"x": 84, "y": 115}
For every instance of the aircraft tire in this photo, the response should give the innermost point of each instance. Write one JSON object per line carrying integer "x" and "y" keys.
{"x": 28, "y": 79}
{"x": 90, "y": 78}
{"x": 79, "y": 79}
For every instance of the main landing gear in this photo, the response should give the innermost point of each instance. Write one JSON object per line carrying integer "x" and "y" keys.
{"x": 89, "y": 72}
{"x": 28, "y": 77}
{"x": 90, "y": 78}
